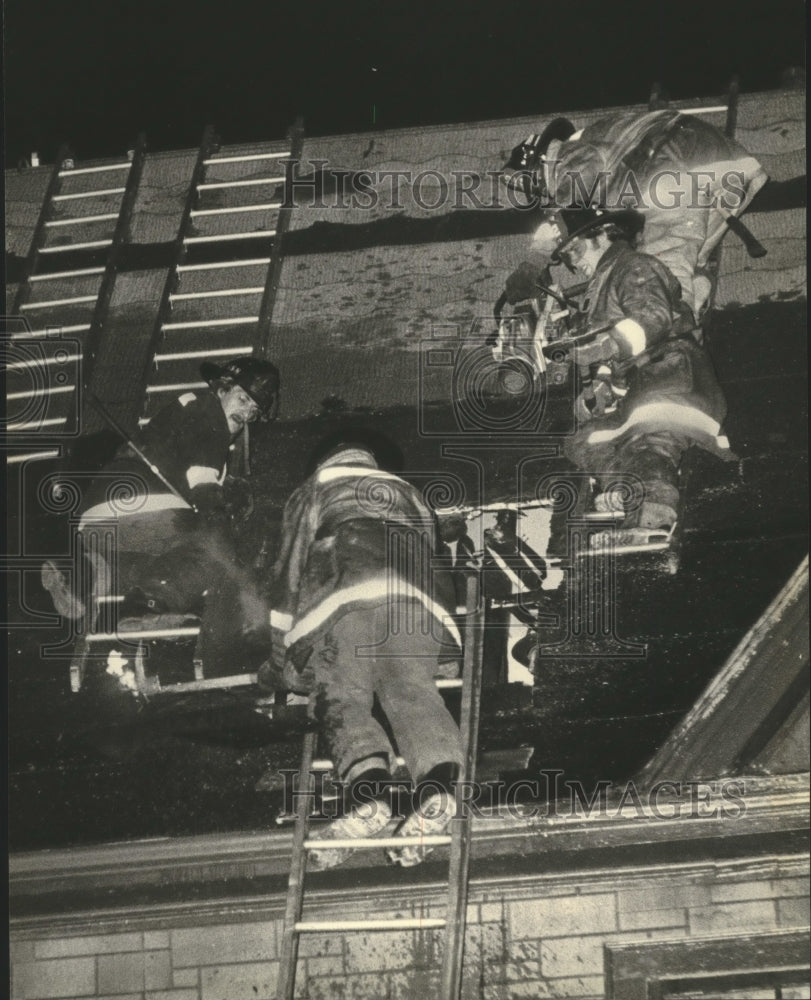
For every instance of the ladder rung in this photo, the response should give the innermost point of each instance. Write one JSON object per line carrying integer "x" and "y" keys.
{"x": 49, "y": 333}
{"x": 210, "y": 683}
{"x": 322, "y": 764}
{"x": 31, "y": 456}
{"x": 58, "y": 302}
{"x": 101, "y": 193}
{"x": 352, "y": 843}
{"x": 246, "y": 159}
{"x": 94, "y": 170}
{"x": 176, "y": 387}
{"x": 37, "y": 424}
{"x": 262, "y": 235}
{"x": 44, "y": 361}
{"x": 219, "y": 294}
{"x": 153, "y": 633}
{"x": 254, "y": 261}
{"x": 234, "y": 184}
{"x": 616, "y": 549}
{"x": 105, "y": 217}
{"x": 404, "y": 924}
{"x": 713, "y": 110}
{"x": 65, "y": 248}
{"x": 45, "y": 391}
{"x": 197, "y": 324}
{"x": 234, "y": 210}
{"x": 54, "y": 275}
{"x": 220, "y": 352}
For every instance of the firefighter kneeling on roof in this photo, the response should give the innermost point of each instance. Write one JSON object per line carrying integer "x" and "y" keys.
{"x": 170, "y": 511}
{"x": 648, "y": 389}
{"x": 361, "y": 617}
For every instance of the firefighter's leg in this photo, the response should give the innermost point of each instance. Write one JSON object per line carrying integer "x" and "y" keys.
{"x": 651, "y": 461}
{"x": 404, "y": 667}
{"x": 344, "y": 697}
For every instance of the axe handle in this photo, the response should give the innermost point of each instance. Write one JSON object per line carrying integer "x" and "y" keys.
{"x": 753, "y": 245}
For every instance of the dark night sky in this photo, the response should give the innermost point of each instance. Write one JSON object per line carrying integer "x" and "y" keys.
{"x": 95, "y": 72}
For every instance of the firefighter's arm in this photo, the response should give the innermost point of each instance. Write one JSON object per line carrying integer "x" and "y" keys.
{"x": 238, "y": 497}
{"x": 208, "y": 500}
{"x": 645, "y": 298}
{"x": 603, "y": 347}
{"x": 523, "y": 282}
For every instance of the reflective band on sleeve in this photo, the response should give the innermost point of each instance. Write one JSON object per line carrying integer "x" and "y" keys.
{"x": 280, "y": 620}
{"x": 633, "y": 335}
{"x": 197, "y": 474}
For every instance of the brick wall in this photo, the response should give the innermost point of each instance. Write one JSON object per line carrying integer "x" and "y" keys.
{"x": 543, "y": 939}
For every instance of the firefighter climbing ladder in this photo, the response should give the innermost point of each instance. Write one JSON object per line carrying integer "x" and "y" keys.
{"x": 454, "y": 921}
{"x": 199, "y": 283}
{"x": 54, "y": 343}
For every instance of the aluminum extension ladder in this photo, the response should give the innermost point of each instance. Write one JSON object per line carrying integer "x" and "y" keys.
{"x": 235, "y": 204}
{"x": 459, "y": 840}
{"x": 45, "y": 372}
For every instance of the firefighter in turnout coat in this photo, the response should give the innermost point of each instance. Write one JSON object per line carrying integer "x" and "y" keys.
{"x": 361, "y": 618}
{"x": 163, "y": 538}
{"x": 648, "y": 389}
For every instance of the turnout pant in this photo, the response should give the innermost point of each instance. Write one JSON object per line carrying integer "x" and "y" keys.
{"x": 360, "y": 659}
{"x": 647, "y": 466}
{"x": 182, "y": 565}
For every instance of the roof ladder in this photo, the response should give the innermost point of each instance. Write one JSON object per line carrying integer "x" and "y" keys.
{"x": 456, "y": 910}
{"x": 218, "y": 297}
{"x": 45, "y": 371}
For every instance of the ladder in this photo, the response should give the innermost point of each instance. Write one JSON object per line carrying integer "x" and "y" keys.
{"x": 60, "y": 309}
{"x": 217, "y": 300}
{"x": 214, "y": 248}
{"x": 729, "y": 109}
{"x": 454, "y": 921}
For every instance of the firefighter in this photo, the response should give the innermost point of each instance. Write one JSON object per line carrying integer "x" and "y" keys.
{"x": 360, "y": 618}
{"x": 648, "y": 389}
{"x": 683, "y": 173}
{"x": 171, "y": 510}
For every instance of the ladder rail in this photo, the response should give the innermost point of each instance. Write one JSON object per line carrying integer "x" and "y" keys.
{"x": 208, "y": 143}
{"x": 458, "y": 877}
{"x": 731, "y": 124}
{"x": 121, "y": 235}
{"x": 288, "y": 956}
{"x": 37, "y": 239}
{"x": 268, "y": 301}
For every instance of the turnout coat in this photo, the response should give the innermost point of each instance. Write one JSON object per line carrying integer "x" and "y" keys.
{"x": 670, "y": 397}
{"x": 188, "y": 441}
{"x": 353, "y": 536}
